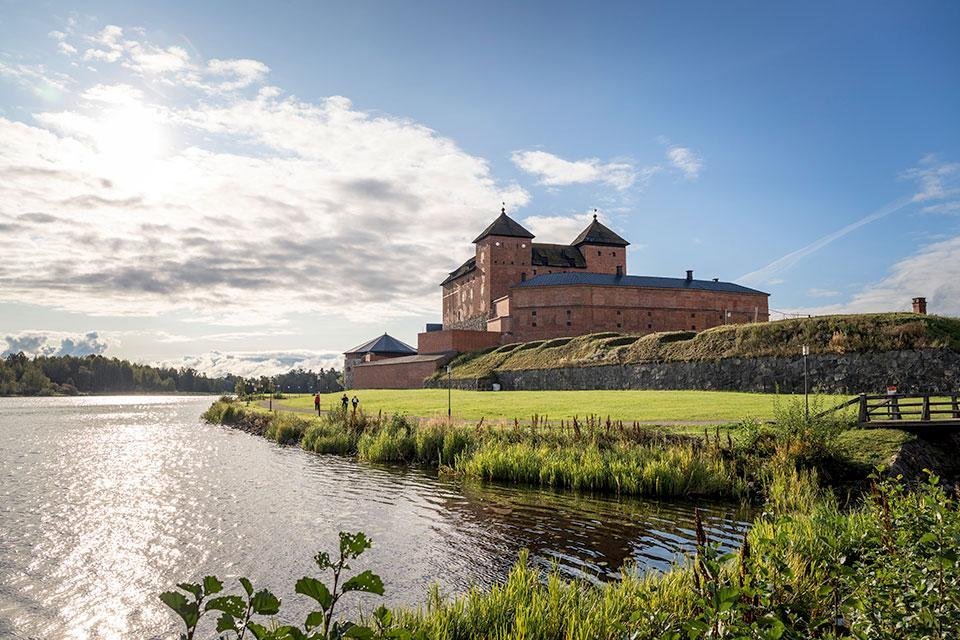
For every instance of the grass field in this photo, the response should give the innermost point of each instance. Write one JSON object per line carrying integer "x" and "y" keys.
{"x": 644, "y": 406}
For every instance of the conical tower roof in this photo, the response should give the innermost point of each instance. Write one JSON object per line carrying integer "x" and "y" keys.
{"x": 504, "y": 225}
{"x": 386, "y": 345}
{"x": 598, "y": 234}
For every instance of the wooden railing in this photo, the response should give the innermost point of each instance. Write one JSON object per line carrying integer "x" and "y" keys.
{"x": 908, "y": 407}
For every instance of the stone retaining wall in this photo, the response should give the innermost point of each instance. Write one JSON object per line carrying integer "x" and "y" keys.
{"x": 926, "y": 370}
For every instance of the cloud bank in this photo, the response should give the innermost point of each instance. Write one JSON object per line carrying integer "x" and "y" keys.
{"x": 237, "y": 204}
{"x": 34, "y": 343}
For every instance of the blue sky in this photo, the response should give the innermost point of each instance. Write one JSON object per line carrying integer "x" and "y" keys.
{"x": 247, "y": 189}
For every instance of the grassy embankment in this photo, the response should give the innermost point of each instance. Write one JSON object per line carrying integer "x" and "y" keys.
{"x": 592, "y": 455}
{"x": 643, "y": 406}
{"x": 784, "y": 338}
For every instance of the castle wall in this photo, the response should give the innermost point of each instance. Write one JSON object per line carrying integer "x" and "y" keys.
{"x": 603, "y": 259}
{"x": 396, "y": 373}
{"x": 539, "y": 313}
{"x": 463, "y": 341}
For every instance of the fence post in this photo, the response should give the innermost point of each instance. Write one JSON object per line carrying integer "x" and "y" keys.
{"x": 863, "y": 416}
{"x": 925, "y": 412}
{"x": 895, "y": 407}
{"x": 956, "y": 409}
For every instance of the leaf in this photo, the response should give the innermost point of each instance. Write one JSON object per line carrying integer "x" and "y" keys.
{"x": 314, "y": 620}
{"x": 367, "y": 581}
{"x": 315, "y": 589}
{"x": 265, "y": 603}
{"x": 323, "y": 560}
{"x": 356, "y": 631}
{"x": 247, "y": 586}
{"x": 212, "y": 585}
{"x": 226, "y": 622}
{"x": 233, "y": 605}
{"x": 190, "y": 587}
{"x": 287, "y": 632}
{"x": 258, "y": 630}
{"x": 353, "y": 544}
{"x": 189, "y": 611}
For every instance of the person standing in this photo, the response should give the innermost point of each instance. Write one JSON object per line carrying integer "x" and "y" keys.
{"x": 345, "y": 401}
{"x": 316, "y": 402}
{"x": 356, "y": 402}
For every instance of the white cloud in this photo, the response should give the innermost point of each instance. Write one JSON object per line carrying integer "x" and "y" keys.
{"x": 116, "y": 94}
{"x": 258, "y": 363}
{"x": 815, "y": 292}
{"x": 685, "y": 160}
{"x": 273, "y": 205}
{"x": 558, "y": 229}
{"x": 555, "y": 171}
{"x": 241, "y": 73}
{"x": 932, "y": 272}
{"x": 935, "y": 179}
{"x": 53, "y": 343}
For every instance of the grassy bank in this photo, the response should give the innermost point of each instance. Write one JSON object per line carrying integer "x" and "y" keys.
{"x": 645, "y": 406}
{"x": 594, "y": 455}
{"x": 823, "y": 334}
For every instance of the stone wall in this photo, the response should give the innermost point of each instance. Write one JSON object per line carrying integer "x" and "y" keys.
{"x": 927, "y": 370}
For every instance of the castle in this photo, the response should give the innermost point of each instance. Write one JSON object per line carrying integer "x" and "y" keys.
{"x": 516, "y": 290}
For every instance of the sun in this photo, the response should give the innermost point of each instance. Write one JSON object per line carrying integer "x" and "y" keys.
{"x": 130, "y": 143}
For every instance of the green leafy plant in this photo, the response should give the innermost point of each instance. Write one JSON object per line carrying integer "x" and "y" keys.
{"x": 238, "y": 612}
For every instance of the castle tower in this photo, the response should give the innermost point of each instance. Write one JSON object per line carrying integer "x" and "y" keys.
{"x": 603, "y": 250}
{"x": 503, "y": 257}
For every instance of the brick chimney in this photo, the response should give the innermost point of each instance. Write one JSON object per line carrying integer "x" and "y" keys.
{"x": 689, "y": 275}
{"x": 920, "y": 305}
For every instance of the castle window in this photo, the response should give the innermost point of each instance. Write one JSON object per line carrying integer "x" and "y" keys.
{"x": 568, "y": 323}
{"x": 523, "y": 245}
{"x": 693, "y": 326}
{"x": 649, "y": 326}
{"x": 523, "y": 276}
{"x": 533, "y": 313}
{"x": 497, "y": 243}
{"x": 568, "y": 311}
{"x": 534, "y": 323}
{"x": 693, "y": 315}
{"x": 649, "y": 313}
{"x": 618, "y": 312}
{"x": 619, "y": 325}
{"x": 599, "y": 253}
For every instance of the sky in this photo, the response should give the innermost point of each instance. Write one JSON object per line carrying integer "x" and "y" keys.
{"x": 249, "y": 187}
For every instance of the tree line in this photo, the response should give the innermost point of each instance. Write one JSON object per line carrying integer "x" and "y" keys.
{"x": 71, "y": 375}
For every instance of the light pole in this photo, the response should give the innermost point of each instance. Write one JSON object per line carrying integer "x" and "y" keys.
{"x": 449, "y": 392}
{"x": 806, "y": 397}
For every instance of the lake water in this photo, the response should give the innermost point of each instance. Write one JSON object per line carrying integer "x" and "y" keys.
{"x": 106, "y": 501}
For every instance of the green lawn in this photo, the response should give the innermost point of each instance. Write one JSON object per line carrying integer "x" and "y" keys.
{"x": 667, "y": 406}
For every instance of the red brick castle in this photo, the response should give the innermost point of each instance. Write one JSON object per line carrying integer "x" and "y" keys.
{"x": 515, "y": 290}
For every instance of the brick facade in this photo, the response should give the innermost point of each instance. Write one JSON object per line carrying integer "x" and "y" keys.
{"x": 397, "y": 373}
{"x": 538, "y": 313}
{"x": 457, "y": 340}
{"x": 484, "y": 294}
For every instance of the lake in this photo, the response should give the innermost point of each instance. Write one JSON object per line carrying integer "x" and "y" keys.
{"x": 107, "y": 501}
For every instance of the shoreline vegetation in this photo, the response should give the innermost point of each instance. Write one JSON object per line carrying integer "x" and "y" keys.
{"x": 881, "y": 564}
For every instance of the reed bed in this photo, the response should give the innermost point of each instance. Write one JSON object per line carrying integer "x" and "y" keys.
{"x": 594, "y": 455}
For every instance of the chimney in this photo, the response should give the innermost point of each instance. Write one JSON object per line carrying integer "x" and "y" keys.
{"x": 716, "y": 279}
{"x": 689, "y": 275}
{"x": 920, "y": 305}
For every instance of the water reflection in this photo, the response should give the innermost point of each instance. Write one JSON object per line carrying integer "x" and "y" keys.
{"x": 107, "y": 501}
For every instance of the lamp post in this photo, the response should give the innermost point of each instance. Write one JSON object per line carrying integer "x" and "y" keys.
{"x": 449, "y": 392}
{"x": 806, "y": 397}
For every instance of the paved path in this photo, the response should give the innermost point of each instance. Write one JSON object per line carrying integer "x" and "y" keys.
{"x": 279, "y": 406}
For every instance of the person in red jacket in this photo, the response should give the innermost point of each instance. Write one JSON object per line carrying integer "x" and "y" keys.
{"x": 316, "y": 402}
